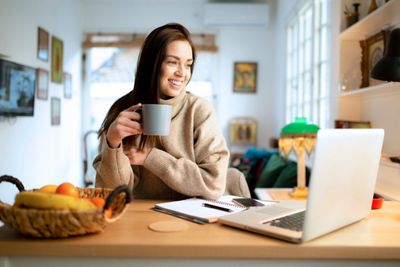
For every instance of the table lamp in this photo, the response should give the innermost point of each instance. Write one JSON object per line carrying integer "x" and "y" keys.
{"x": 300, "y": 138}
{"x": 388, "y": 67}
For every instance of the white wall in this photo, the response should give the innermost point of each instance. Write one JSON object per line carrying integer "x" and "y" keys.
{"x": 234, "y": 43}
{"x": 31, "y": 149}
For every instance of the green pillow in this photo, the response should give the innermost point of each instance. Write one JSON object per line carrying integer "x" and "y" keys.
{"x": 288, "y": 177}
{"x": 271, "y": 171}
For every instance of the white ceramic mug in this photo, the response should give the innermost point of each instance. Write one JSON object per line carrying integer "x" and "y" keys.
{"x": 156, "y": 119}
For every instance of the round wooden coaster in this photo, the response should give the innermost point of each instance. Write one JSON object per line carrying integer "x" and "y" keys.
{"x": 168, "y": 226}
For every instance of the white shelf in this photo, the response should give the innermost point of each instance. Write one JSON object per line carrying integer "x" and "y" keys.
{"x": 384, "y": 17}
{"x": 373, "y": 91}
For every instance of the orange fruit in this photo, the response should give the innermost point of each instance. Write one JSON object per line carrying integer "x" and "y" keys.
{"x": 68, "y": 189}
{"x": 98, "y": 201}
{"x": 108, "y": 213}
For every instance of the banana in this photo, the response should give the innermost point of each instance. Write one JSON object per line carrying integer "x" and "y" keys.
{"x": 50, "y": 188}
{"x": 43, "y": 200}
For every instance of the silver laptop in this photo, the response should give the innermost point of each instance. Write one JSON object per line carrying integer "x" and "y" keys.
{"x": 342, "y": 184}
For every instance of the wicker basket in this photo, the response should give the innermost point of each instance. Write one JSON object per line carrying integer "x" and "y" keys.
{"x": 64, "y": 223}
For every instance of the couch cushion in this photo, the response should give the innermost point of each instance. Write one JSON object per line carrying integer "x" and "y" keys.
{"x": 271, "y": 171}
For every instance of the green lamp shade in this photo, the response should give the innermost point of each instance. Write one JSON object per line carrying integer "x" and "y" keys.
{"x": 300, "y": 126}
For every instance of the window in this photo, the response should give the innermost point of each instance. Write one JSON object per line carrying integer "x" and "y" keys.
{"x": 307, "y": 80}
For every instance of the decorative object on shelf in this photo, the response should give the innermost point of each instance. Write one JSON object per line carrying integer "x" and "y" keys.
{"x": 243, "y": 131}
{"x": 300, "y": 138}
{"x": 42, "y": 90}
{"x": 388, "y": 67}
{"x": 67, "y": 82}
{"x": 43, "y": 45}
{"x": 56, "y": 60}
{"x": 372, "y": 6}
{"x": 351, "y": 17}
{"x": 245, "y": 77}
{"x": 372, "y": 51}
{"x": 344, "y": 124}
{"x": 55, "y": 111}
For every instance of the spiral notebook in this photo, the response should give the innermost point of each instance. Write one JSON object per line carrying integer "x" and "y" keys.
{"x": 200, "y": 210}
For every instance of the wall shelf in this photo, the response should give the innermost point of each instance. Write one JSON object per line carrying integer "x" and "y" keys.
{"x": 374, "y": 22}
{"x": 373, "y": 91}
{"x": 378, "y": 103}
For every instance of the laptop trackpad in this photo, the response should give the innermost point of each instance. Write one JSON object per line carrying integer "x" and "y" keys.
{"x": 274, "y": 210}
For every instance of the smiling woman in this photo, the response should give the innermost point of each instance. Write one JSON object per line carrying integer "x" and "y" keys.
{"x": 193, "y": 159}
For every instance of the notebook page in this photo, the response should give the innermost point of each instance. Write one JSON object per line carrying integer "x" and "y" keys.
{"x": 194, "y": 207}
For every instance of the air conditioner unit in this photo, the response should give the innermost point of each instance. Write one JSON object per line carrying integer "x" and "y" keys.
{"x": 236, "y": 14}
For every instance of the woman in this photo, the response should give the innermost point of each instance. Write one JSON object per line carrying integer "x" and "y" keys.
{"x": 193, "y": 159}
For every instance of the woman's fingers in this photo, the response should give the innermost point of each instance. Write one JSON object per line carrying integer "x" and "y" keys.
{"x": 134, "y": 107}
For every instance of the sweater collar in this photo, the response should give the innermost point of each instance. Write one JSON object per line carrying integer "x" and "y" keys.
{"x": 176, "y": 102}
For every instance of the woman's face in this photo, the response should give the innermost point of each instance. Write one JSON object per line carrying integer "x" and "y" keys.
{"x": 175, "y": 69}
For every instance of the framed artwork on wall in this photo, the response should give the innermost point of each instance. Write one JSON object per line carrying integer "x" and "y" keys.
{"x": 245, "y": 77}
{"x": 243, "y": 131}
{"x": 42, "y": 86}
{"x": 372, "y": 50}
{"x": 17, "y": 89}
{"x": 67, "y": 81}
{"x": 55, "y": 111}
{"x": 43, "y": 45}
{"x": 56, "y": 60}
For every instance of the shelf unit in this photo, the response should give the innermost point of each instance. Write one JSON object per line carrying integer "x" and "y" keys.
{"x": 378, "y": 103}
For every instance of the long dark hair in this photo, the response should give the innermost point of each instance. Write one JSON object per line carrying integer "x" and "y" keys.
{"x": 147, "y": 78}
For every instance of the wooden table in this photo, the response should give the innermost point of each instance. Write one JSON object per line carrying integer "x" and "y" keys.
{"x": 129, "y": 242}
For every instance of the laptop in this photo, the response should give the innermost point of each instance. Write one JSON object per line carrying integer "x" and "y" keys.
{"x": 341, "y": 189}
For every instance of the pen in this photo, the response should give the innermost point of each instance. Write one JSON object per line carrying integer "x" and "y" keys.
{"x": 216, "y": 207}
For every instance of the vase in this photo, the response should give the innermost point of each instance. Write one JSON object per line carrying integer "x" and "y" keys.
{"x": 372, "y": 6}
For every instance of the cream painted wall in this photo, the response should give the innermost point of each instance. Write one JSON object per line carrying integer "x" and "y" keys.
{"x": 32, "y": 149}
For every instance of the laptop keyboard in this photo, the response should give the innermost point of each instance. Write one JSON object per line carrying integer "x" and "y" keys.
{"x": 292, "y": 222}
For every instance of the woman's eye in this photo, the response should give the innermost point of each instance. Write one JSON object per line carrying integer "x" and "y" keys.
{"x": 171, "y": 62}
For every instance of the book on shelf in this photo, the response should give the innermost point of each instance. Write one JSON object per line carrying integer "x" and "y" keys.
{"x": 200, "y": 210}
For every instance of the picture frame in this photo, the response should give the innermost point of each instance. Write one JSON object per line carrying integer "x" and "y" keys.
{"x": 243, "y": 131}
{"x": 17, "y": 89}
{"x": 245, "y": 77}
{"x": 57, "y": 51}
{"x": 42, "y": 85}
{"x": 344, "y": 124}
{"x": 43, "y": 45}
{"x": 372, "y": 50}
{"x": 67, "y": 83}
{"x": 55, "y": 111}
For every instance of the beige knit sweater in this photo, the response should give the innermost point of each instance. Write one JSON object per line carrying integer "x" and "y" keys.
{"x": 191, "y": 161}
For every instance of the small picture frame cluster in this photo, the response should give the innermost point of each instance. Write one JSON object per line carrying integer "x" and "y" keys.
{"x": 245, "y": 77}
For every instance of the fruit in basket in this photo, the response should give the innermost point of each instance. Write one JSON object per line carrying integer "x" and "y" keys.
{"x": 100, "y": 202}
{"x": 50, "y": 188}
{"x": 43, "y": 200}
{"x": 68, "y": 189}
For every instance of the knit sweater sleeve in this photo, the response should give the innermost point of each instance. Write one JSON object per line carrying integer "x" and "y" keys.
{"x": 205, "y": 174}
{"x": 112, "y": 167}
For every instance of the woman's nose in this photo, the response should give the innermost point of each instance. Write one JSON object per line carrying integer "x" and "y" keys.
{"x": 179, "y": 70}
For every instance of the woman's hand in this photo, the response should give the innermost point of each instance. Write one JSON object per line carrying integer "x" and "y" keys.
{"x": 135, "y": 156}
{"x": 127, "y": 123}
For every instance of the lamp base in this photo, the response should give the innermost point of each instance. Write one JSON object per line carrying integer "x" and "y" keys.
{"x": 299, "y": 193}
